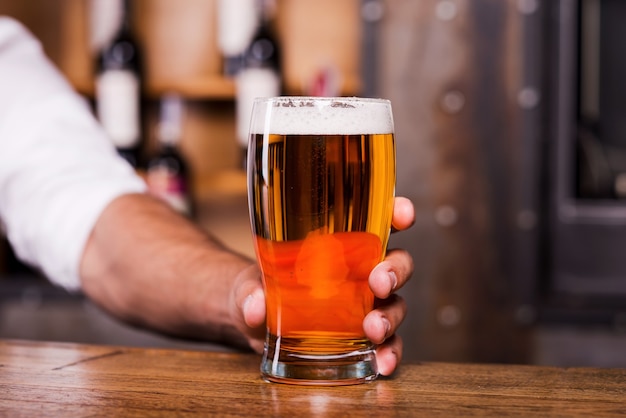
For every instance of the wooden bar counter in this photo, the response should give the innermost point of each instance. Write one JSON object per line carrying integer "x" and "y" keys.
{"x": 68, "y": 380}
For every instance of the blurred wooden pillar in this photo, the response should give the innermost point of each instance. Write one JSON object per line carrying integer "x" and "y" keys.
{"x": 454, "y": 72}
{"x": 43, "y": 18}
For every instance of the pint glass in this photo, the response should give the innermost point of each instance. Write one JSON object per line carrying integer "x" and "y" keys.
{"x": 321, "y": 182}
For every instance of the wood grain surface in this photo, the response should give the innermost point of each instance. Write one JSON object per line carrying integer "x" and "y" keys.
{"x": 61, "y": 379}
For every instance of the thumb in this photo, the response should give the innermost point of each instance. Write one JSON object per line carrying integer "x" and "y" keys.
{"x": 248, "y": 306}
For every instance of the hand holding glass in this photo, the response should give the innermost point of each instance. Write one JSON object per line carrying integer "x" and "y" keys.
{"x": 321, "y": 181}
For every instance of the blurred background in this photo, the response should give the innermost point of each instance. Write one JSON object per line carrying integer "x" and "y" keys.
{"x": 511, "y": 142}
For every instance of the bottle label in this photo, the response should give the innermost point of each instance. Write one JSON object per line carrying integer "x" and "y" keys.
{"x": 250, "y": 84}
{"x": 117, "y": 102}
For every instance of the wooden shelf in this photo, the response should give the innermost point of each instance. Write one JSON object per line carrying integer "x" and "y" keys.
{"x": 210, "y": 87}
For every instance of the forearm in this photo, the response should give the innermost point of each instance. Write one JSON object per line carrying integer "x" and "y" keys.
{"x": 148, "y": 266}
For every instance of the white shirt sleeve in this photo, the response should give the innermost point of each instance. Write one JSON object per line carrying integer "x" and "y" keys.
{"x": 58, "y": 170}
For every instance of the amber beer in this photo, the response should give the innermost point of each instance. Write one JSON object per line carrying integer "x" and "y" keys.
{"x": 321, "y": 176}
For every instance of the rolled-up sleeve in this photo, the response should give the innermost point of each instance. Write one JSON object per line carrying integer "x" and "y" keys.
{"x": 58, "y": 170}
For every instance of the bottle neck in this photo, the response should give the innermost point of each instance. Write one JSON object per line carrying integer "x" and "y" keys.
{"x": 265, "y": 12}
{"x": 126, "y": 18}
{"x": 263, "y": 51}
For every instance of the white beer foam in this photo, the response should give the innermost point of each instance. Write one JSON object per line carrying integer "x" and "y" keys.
{"x": 323, "y": 116}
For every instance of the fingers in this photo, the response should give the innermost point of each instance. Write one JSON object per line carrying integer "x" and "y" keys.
{"x": 391, "y": 274}
{"x": 381, "y": 323}
{"x": 380, "y": 327}
{"x": 389, "y": 355}
{"x": 403, "y": 214}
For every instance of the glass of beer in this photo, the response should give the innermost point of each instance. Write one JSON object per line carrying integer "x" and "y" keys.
{"x": 321, "y": 184}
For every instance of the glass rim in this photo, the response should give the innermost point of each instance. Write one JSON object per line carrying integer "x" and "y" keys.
{"x": 322, "y": 99}
{"x": 321, "y": 115}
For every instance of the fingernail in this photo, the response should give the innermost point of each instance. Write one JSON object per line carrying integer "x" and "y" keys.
{"x": 250, "y": 300}
{"x": 387, "y": 325}
{"x": 393, "y": 280}
{"x": 246, "y": 303}
{"x": 250, "y": 307}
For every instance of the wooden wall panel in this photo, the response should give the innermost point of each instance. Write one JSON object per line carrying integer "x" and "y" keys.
{"x": 452, "y": 71}
{"x": 179, "y": 39}
{"x": 43, "y": 18}
{"x": 319, "y": 35}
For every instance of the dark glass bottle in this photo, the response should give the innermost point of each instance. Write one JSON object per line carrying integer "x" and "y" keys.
{"x": 118, "y": 90}
{"x": 264, "y": 50}
{"x": 167, "y": 173}
{"x": 260, "y": 75}
{"x": 237, "y": 22}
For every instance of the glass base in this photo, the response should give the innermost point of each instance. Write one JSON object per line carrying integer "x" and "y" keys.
{"x": 294, "y": 366}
